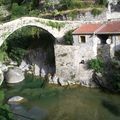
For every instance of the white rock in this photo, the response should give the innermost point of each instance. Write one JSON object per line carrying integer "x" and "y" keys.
{"x": 4, "y": 68}
{"x": 24, "y": 66}
{"x": 36, "y": 70}
{"x": 55, "y": 79}
{"x": 63, "y": 82}
{"x": 15, "y": 99}
{"x": 14, "y": 75}
{"x": 13, "y": 63}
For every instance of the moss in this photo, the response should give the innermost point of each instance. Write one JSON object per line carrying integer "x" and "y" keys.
{"x": 55, "y": 24}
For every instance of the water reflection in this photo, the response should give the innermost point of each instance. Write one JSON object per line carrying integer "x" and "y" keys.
{"x": 35, "y": 113}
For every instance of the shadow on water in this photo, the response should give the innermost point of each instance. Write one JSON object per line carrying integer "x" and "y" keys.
{"x": 111, "y": 107}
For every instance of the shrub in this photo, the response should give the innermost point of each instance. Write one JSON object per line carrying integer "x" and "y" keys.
{"x": 96, "y": 65}
{"x": 73, "y": 14}
{"x": 68, "y": 38}
{"x": 17, "y": 54}
{"x": 3, "y": 54}
{"x": 18, "y": 11}
{"x": 117, "y": 55}
{"x": 95, "y": 12}
{"x": 4, "y": 108}
{"x": 102, "y": 2}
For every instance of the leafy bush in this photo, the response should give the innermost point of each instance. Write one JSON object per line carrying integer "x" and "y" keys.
{"x": 3, "y": 54}
{"x": 102, "y": 2}
{"x": 68, "y": 38}
{"x": 18, "y": 11}
{"x": 17, "y": 54}
{"x": 55, "y": 24}
{"x": 66, "y": 3}
{"x": 96, "y": 65}
{"x": 4, "y": 108}
{"x": 117, "y": 55}
{"x": 73, "y": 14}
{"x": 5, "y": 2}
{"x": 114, "y": 74}
{"x": 95, "y": 12}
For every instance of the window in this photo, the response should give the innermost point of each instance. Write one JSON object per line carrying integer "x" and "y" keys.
{"x": 82, "y": 39}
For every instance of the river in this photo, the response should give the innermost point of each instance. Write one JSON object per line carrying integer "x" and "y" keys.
{"x": 64, "y": 103}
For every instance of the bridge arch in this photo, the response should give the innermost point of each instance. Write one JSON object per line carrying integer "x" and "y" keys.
{"x": 54, "y": 27}
{"x": 18, "y": 28}
{"x": 10, "y": 27}
{"x": 34, "y": 51}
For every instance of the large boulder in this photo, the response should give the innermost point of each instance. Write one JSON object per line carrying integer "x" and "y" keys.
{"x": 14, "y": 75}
{"x": 16, "y": 100}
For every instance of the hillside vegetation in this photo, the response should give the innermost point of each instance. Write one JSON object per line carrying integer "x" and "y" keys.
{"x": 48, "y": 8}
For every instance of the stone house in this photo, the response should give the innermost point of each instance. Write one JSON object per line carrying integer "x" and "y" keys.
{"x": 93, "y": 37}
{"x": 89, "y": 41}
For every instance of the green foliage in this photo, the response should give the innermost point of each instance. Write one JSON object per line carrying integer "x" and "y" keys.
{"x": 114, "y": 75}
{"x": 34, "y": 13}
{"x": 66, "y": 3}
{"x": 3, "y": 54}
{"x": 5, "y": 2}
{"x": 68, "y": 38}
{"x": 55, "y": 24}
{"x": 24, "y": 39}
{"x": 73, "y": 4}
{"x": 4, "y": 108}
{"x": 32, "y": 81}
{"x": 34, "y": 87}
{"x": 35, "y": 4}
{"x": 1, "y": 96}
{"x": 96, "y": 65}
{"x": 117, "y": 55}
{"x": 73, "y": 14}
{"x": 96, "y": 12}
{"x": 17, "y": 54}
{"x": 102, "y": 2}
{"x": 18, "y": 11}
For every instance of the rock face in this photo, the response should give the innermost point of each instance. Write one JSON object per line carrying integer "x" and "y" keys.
{"x": 15, "y": 99}
{"x": 39, "y": 59}
{"x": 14, "y": 75}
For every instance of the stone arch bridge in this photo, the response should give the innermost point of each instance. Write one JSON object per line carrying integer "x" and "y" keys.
{"x": 66, "y": 56}
{"x": 54, "y": 27}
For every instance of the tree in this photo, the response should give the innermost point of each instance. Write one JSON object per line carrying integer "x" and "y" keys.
{"x": 5, "y": 2}
{"x": 101, "y": 2}
{"x": 66, "y": 3}
{"x": 35, "y": 3}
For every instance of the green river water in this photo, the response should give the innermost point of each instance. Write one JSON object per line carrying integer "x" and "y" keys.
{"x": 64, "y": 103}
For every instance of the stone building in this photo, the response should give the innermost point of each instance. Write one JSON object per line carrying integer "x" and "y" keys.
{"x": 93, "y": 36}
{"x": 89, "y": 41}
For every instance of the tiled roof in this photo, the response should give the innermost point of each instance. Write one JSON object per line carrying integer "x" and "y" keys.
{"x": 110, "y": 28}
{"x": 106, "y": 28}
{"x": 87, "y": 28}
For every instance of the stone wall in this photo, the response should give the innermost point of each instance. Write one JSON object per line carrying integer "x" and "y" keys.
{"x": 69, "y": 65}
